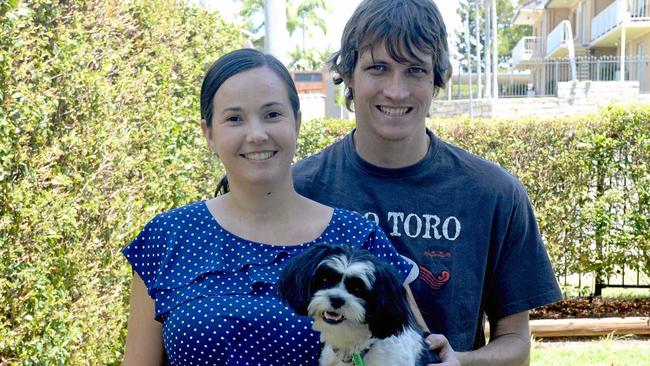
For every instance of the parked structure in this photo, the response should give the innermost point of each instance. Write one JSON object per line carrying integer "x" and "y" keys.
{"x": 310, "y": 81}
{"x": 318, "y": 95}
{"x": 584, "y": 40}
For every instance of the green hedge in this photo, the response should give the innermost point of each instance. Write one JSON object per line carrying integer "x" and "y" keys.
{"x": 588, "y": 178}
{"x": 99, "y": 116}
{"x": 99, "y": 131}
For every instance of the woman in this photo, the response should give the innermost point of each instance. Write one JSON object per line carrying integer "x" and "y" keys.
{"x": 204, "y": 274}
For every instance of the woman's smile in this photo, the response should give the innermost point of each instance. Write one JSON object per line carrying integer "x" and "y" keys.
{"x": 258, "y": 156}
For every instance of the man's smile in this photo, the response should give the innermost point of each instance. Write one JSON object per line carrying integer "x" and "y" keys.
{"x": 394, "y": 111}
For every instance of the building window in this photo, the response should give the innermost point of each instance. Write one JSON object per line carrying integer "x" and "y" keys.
{"x": 308, "y": 77}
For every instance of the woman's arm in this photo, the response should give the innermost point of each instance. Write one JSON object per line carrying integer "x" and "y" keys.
{"x": 144, "y": 338}
{"x": 415, "y": 309}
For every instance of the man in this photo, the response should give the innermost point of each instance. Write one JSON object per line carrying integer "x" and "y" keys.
{"x": 466, "y": 222}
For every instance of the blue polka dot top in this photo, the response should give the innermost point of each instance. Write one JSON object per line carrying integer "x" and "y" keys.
{"x": 214, "y": 291}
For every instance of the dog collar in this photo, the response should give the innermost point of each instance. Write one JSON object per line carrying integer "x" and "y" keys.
{"x": 357, "y": 360}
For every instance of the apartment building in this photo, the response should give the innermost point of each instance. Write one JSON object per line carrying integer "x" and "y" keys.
{"x": 598, "y": 40}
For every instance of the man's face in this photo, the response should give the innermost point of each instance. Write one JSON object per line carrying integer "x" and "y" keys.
{"x": 391, "y": 99}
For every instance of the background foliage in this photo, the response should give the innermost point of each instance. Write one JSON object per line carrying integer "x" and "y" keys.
{"x": 99, "y": 131}
{"x": 588, "y": 178}
{"x": 99, "y": 122}
{"x": 508, "y": 34}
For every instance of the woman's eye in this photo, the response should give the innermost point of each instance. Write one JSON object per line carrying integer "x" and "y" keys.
{"x": 233, "y": 119}
{"x": 376, "y": 68}
{"x": 273, "y": 115}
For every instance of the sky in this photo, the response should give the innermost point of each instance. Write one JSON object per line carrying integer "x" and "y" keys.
{"x": 340, "y": 11}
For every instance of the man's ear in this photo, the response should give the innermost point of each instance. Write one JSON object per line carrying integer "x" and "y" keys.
{"x": 348, "y": 91}
{"x": 348, "y": 81}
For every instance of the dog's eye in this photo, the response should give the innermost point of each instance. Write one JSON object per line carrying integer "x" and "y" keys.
{"x": 355, "y": 286}
{"x": 327, "y": 278}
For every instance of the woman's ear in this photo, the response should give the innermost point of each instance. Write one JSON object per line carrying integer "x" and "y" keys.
{"x": 298, "y": 122}
{"x": 207, "y": 132}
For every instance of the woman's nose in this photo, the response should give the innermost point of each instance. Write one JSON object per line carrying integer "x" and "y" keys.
{"x": 256, "y": 132}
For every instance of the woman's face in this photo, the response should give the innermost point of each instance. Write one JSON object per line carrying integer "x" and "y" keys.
{"x": 253, "y": 130}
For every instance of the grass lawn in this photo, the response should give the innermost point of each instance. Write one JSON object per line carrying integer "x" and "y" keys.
{"x": 628, "y": 293}
{"x": 605, "y": 351}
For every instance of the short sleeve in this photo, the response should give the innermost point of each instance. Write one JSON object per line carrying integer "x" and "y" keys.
{"x": 523, "y": 275}
{"x": 146, "y": 253}
{"x": 379, "y": 245}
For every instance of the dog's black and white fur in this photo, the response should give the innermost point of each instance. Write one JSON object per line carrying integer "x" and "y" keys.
{"x": 357, "y": 303}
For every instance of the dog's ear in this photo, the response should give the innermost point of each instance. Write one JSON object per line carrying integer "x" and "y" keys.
{"x": 388, "y": 309}
{"x": 294, "y": 285}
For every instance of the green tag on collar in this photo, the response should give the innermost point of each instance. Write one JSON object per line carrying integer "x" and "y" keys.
{"x": 357, "y": 360}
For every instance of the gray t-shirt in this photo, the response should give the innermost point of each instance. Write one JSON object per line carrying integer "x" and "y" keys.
{"x": 465, "y": 221}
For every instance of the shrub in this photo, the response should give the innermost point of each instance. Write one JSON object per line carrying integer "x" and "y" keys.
{"x": 588, "y": 179}
{"x": 100, "y": 129}
{"x": 99, "y": 122}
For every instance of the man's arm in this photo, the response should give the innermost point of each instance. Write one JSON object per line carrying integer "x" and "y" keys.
{"x": 509, "y": 344}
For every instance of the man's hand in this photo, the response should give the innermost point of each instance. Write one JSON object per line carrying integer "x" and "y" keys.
{"x": 440, "y": 345}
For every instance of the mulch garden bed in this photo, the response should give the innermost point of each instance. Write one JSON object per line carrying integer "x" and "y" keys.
{"x": 593, "y": 307}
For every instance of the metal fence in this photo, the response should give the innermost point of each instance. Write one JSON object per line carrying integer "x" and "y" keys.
{"x": 543, "y": 76}
{"x": 587, "y": 284}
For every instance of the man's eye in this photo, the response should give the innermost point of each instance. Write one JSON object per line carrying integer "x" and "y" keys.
{"x": 417, "y": 70}
{"x": 377, "y": 68}
{"x": 233, "y": 119}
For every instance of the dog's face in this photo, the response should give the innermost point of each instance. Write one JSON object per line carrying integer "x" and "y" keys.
{"x": 341, "y": 287}
{"x": 345, "y": 289}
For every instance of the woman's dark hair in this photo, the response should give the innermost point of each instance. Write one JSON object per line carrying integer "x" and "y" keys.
{"x": 405, "y": 26}
{"x": 230, "y": 65}
{"x": 238, "y": 61}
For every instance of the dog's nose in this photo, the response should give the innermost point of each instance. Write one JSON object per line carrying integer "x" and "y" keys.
{"x": 336, "y": 302}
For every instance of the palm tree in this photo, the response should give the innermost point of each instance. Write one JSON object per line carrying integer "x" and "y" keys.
{"x": 305, "y": 14}
{"x": 302, "y": 14}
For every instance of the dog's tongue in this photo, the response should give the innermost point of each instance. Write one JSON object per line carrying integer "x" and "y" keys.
{"x": 332, "y": 316}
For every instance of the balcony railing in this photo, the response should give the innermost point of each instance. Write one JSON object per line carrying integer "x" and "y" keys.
{"x": 558, "y": 37}
{"x": 525, "y": 50}
{"x": 639, "y": 9}
{"x": 543, "y": 79}
{"x": 608, "y": 19}
{"x": 617, "y": 13}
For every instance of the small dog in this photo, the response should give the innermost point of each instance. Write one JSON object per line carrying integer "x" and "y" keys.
{"x": 358, "y": 304}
